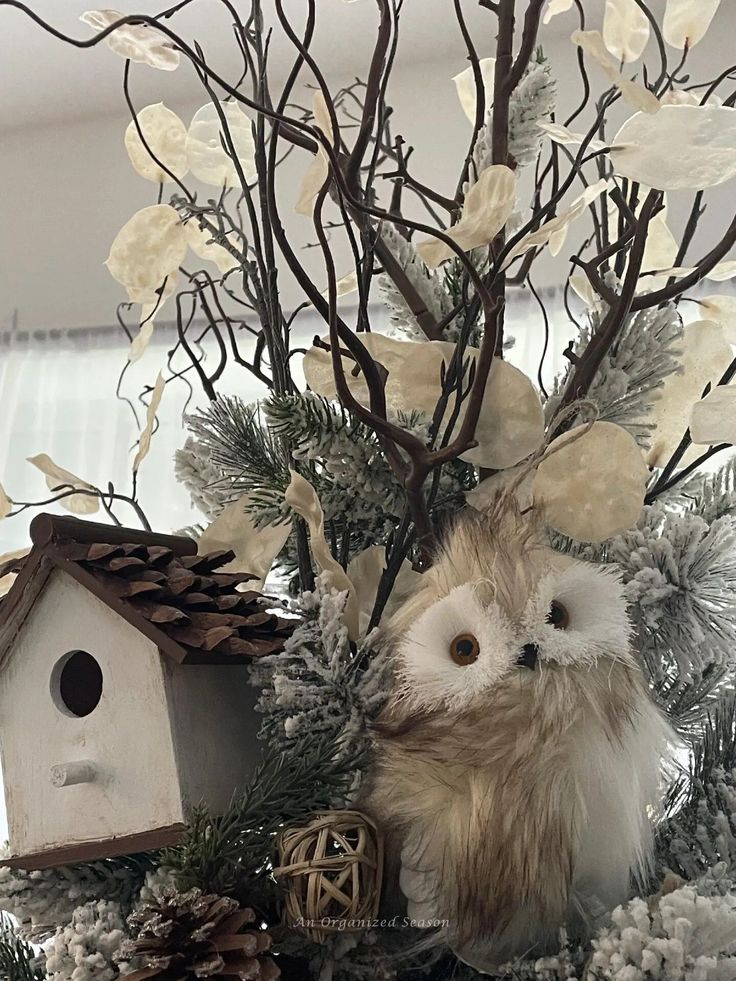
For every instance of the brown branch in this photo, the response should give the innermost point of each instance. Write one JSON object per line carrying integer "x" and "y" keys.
{"x": 696, "y": 213}
{"x": 528, "y": 41}
{"x": 373, "y": 97}
{"x": 402, "y": 171}
{"x": 656, "y": 31}
{"x": 666, "y": 479}
{"x": 480, "y": 97}
{"x": 686, "y": 472}
{"x": 649, "y": 300}
{"x": 60, "y": 494}
{"x": 706, "y": 265}
{"x": 628, "y": 231}
{"x": 500, "y": 141}
{"x": 358, "y": 207}
{"x": 296, "y": 131}
{"x": 353, "y": 200}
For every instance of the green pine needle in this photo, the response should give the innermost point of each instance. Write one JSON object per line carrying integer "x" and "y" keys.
{"x": 301, "y": 418}
{"x": 243, "y": 448}
{"x": 18, "y": 960}
{"x": 219, "y": 854}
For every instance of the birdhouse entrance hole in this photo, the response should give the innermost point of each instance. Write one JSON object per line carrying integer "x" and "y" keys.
{"x": 76, "y": 684}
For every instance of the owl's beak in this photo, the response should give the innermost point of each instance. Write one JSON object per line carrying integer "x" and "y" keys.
{"x": 528, "y": 657}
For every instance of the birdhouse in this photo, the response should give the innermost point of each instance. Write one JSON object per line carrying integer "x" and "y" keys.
{"x": 124, "y": 695}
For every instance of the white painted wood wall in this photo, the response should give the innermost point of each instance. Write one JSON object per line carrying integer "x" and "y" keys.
{"x": 162, "y": 736}
{"x": 127, "y": 736}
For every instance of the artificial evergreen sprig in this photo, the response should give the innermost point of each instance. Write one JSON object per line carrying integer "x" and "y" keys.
{"x": 41, "y": 900}
{"x": 701, "y": 830}
{"x": 348, "y": 452}
{"x": 427, "y": 284}
{"x": 680, "y": 576}
{"x": 227, "y": 852}
{"x": 688, "y": 701}
{"x": 625, "y": 387}
{"x": 243, "y": 449}
{"x": 711, "y": 495}
{"x": 532, "y": 102}
{"x": 18, "y": 960}
{"x": 209, "y": 488}
{"x": 320, "y": 685}
{"x": 304, "y": 417}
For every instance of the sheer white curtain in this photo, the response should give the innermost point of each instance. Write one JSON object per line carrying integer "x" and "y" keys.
{"x": 57, "y": 396}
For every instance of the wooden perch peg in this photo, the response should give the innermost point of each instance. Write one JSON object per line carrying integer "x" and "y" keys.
{"x": 68, "y": 774}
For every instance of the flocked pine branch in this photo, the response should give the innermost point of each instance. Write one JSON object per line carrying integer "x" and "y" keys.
{"x": 209, "y": 488}
{"x": 319, "y": 686}
{"x": 240, "y": 448}
{"x": 635, "y": 367}
{"x": 680, "y": 575}
{"x": 681, "y": 578}
{"x": 242, "y": 453}
{"x": 86, "y": 948}
{"x": 427, "y": 284}
{"x": 711, "y": 495}
{"x": 700, "y": 834}
{"x": 349, "y": 452}
{"x": 681, "y": 936}
{"x": 42, "y": 900}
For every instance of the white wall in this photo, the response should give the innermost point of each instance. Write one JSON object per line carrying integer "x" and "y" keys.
{"x": 67, "y": 191}
{"x": 68, "y": 187}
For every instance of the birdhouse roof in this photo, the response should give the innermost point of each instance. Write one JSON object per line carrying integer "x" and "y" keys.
{"x": 194, "y": 613}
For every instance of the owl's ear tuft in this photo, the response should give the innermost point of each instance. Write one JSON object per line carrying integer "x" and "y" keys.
{"x": 501, "y": 543}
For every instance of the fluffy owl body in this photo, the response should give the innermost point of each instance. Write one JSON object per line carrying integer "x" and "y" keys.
{"x": 519, "y": 757}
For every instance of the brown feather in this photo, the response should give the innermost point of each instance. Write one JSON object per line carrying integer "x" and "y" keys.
{"x": 492, "y": 796}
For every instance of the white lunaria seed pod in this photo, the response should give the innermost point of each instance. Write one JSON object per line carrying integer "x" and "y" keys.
{"x": 148, "y": 248}
{"x": 165, "y": 135}
{"x": 591, "y": 483}
{"x": 212, "y": 153}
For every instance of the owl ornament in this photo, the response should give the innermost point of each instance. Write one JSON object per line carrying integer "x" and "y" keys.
{"x": 519, "y": 757}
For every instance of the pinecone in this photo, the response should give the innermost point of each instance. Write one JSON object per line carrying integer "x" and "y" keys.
{"x": 190, "y": 935}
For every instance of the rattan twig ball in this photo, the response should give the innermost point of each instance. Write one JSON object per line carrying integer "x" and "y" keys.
{"x": 332, "y": 870}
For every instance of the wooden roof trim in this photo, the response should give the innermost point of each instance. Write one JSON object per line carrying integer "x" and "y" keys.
{"x": 21, "y": 596}
{"x": 47, "y": 529}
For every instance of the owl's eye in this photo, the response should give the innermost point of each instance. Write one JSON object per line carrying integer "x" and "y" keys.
{"x": 558, "y": 616}
{"x": 464, "y": 649}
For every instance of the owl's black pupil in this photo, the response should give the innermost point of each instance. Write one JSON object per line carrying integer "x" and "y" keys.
{"x": 557, "y": 615}
{"x": 465, "y": 647}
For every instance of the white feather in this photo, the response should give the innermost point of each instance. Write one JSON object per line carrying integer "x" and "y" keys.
{"x": 429, "y": 678}
{"x": 620, "y": 788}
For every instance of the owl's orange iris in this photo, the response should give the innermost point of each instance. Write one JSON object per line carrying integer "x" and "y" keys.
{"x": 464, "y": 649}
